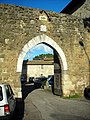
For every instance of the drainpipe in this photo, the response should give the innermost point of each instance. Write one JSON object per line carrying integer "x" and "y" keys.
{"x": 87, "y": 89}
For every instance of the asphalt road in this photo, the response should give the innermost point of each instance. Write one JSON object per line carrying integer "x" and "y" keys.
{"x": 43, "y": 105}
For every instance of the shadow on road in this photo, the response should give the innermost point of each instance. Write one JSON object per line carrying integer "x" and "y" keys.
{"x": 19, "y": 111}
{"x": 26, "y": 89}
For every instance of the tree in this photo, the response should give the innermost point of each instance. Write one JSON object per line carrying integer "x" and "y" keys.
{"x": 42, "y": 56}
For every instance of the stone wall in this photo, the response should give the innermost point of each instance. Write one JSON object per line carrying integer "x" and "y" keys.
{"x": 18, "y": 25}
{"x": 84, "y": 10}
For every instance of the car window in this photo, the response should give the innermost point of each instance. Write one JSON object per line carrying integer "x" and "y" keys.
{"x": 8, "y": 92}
{"x": 1, "y": 94}
{"x": 11, "y": 91}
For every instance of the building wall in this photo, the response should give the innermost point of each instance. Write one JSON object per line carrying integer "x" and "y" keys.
{"x": 40, "y": 70}
{"x": 20, "y": 25}
{"x": 84, "y": 10}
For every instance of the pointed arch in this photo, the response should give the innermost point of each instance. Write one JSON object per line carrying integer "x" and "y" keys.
{"x": 37, "y": 40}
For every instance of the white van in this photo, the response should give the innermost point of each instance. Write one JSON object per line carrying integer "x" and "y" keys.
{"x": 7, "y": 101}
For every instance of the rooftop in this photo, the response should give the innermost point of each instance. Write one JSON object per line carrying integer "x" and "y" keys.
{"x": 73, "y": 6}
{"x": 40, "y": 62}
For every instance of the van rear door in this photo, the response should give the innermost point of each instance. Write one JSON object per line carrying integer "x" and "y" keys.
{"x": 10, "y": 98}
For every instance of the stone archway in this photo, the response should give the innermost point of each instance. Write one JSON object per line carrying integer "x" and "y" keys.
{"x": 50, "y": 42}
{"x": 41, "y": 39}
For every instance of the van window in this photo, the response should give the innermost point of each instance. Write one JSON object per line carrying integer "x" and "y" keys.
{"x": 8, "y": 92}
{"x": 1, "y": 95}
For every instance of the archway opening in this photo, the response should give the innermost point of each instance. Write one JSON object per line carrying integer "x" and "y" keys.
{"x": 39, "y": 58}
{"x": 60, "y": 63}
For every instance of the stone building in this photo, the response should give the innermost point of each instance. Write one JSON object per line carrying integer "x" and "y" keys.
{"x": 39, "y": 68}
{"x": 22, "y": 28}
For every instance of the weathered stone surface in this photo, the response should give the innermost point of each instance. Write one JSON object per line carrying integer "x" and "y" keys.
{"x": 84, "y": 10}
{"x": 19, "y": 26}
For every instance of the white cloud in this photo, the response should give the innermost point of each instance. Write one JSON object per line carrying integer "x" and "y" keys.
{"x": 38, "y": 49}
{"x": 42, "y": 47}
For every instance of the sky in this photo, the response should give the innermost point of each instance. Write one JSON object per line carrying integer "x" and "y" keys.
{"x": 53, "y": 5}
{"x": 37, "y": 50}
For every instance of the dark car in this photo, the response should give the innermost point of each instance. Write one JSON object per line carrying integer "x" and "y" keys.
{"x": 40, "y": 82}
{"x": 31, "y": 79}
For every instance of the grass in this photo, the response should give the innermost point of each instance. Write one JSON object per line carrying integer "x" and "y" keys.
{"x": 72, "y": 96}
